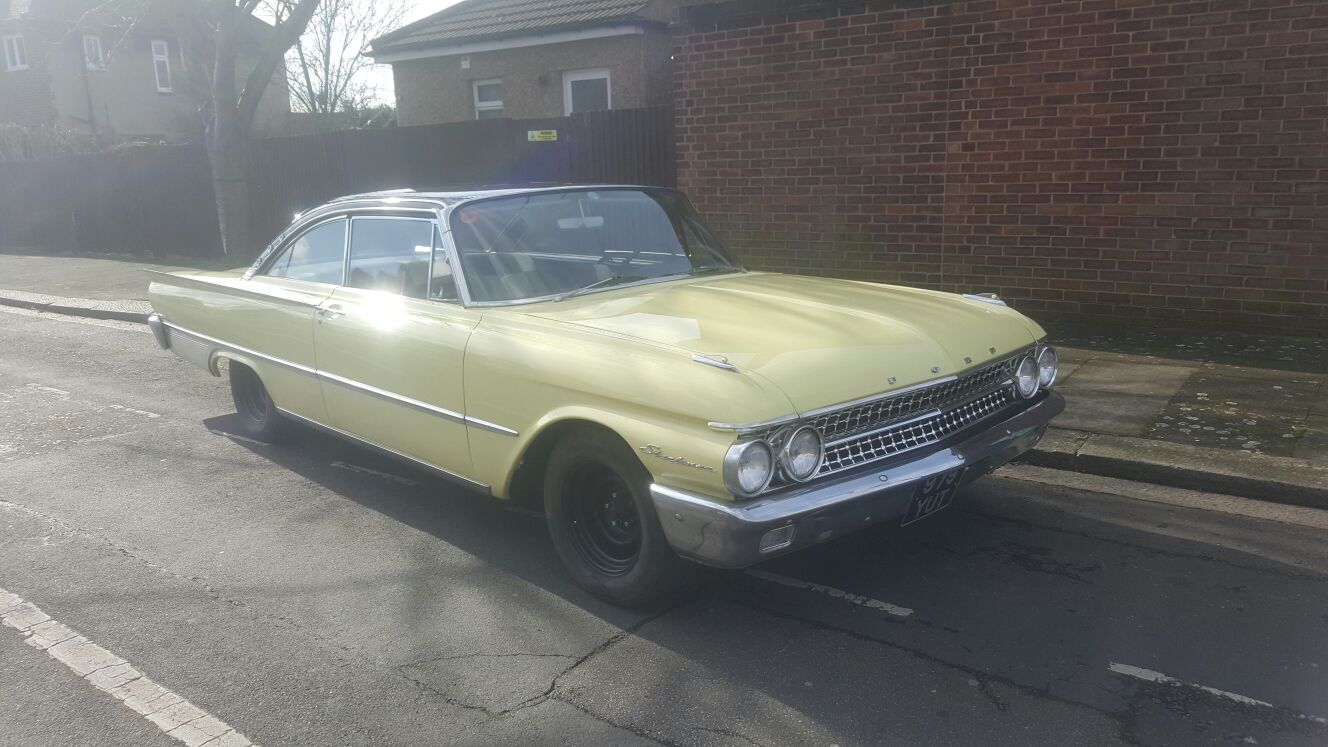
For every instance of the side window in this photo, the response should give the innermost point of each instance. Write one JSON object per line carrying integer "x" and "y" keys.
{"x": 317, "y": 256}
{"x": 391, "y": 254}
{"x": 442, "y": 286}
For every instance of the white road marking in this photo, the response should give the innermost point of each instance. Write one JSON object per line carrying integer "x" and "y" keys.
{"x": 144, "y": 413}
{"x": 1148, "y": 675}
{"x": 95, "y": 439}
{"x": 366, "y": 471}
{"x": 109, "y": 673}
{"x": 830, "y": 591}
{"x": 62, "y": 394}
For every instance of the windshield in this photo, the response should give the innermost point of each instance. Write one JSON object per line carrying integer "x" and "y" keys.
{"x": 557, "y": 243}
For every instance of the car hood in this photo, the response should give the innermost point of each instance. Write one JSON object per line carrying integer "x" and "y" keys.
{"x": 822, "y": 341}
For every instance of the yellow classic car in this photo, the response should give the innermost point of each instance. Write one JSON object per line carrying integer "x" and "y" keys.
{"x": 598, "y": 354}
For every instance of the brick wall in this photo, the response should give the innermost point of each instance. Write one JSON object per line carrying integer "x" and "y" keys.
{"x": 1154, "y": 160}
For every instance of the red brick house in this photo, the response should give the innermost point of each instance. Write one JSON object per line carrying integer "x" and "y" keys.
{"x": 482, "y": 59}
{"x": 1160, "y": 160}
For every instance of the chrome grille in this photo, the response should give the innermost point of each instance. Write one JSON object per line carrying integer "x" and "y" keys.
{"x": 840, "y": 423}
{"x": 912, "y": 434}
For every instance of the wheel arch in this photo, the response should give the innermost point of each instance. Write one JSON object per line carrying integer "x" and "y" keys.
{"x": 526, "y": 486}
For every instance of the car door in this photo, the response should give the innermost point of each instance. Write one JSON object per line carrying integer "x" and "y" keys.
{"x": 275, "y": 317}
{"x": 390, "y": 343}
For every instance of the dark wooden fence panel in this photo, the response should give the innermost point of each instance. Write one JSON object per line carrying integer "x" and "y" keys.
{"x": 633, "y": 146}
{"x": 160, "y": 200}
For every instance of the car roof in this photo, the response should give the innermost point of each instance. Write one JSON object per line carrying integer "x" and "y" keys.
{"x": 448, "y": 199}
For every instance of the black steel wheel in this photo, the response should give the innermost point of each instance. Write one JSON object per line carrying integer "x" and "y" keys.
{"x": 604, "y": 525}
{"x": 259, "y": 418}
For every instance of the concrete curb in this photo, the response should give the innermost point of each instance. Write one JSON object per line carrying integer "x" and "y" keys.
{"x": 1239, "y": 473}
{"x": 124, "y": 311}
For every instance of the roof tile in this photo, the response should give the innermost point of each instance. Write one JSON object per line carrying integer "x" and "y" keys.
{"x": 471, "y": 20}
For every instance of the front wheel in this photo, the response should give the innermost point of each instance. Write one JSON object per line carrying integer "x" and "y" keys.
{"x": 259, "y": 418}
{"x": 604, "y": 525}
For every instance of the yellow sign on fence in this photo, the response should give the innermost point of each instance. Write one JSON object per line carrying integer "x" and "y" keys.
{"x": 541, "y": 136}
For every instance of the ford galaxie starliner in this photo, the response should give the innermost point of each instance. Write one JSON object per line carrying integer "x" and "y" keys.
{"x": 597, "y": 353}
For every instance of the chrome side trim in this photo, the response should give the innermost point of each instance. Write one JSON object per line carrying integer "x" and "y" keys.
{"x": 241, "y": 349}
{"x": 444, "y": 473}
{"x": 343, "y": 381}
{"x": 716, "y": 362}
{"x": 486, "y": 425}
{"x": 455, "y": 417}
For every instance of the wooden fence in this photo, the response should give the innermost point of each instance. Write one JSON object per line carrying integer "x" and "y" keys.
{"x": 159, "y": 199}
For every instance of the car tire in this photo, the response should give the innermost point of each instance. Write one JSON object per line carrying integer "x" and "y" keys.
{"x": 258, "y": 415}
{"x": 604, "y": 525}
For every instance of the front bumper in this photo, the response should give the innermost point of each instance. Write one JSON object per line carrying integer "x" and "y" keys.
{"x": 728, "y": 535}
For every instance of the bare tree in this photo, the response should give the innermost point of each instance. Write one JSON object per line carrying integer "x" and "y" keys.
{"x": 239, "y": 55}
{"x": 326, "y": 67}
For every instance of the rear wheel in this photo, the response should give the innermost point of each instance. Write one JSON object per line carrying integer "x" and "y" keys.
{"x": 604, "y": 525}
{"x": 259, "y": 418}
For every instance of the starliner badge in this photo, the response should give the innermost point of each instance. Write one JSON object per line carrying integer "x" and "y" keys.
{"x": 658, "y": 453}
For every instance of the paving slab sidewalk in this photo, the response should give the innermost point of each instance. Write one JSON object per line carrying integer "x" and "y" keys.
{"x": 1240, "y": 430}
{"x": 1226, "y": 412}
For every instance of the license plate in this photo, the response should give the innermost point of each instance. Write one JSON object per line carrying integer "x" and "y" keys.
{"x": 932, "y": 495}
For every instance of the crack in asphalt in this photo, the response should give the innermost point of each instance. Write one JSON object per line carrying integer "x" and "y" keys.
{"x": 479, "y": 654}
{"x": 1028, "y": 557}
{"x": 1043, "y": 693}
{"x": 549, "y": 692}
{"x": 730, "y": 733}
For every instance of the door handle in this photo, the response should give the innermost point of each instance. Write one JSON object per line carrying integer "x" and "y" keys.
{"x": 330, "y": 312}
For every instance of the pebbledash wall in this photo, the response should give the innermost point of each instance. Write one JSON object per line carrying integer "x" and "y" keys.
{"x": 1143, "y": 160}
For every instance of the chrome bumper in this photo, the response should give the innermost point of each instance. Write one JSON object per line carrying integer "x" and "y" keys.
{"x": 728, "y": 535}
{"x": 158, "y": 327}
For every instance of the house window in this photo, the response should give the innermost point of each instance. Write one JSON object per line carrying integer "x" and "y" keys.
{"x": 161, "y": 65}
{"x": 92, "y": 55}
{"x": 586, "y": 91}
{"x": 488, "y": 99}
{"x": 16, "y": 55}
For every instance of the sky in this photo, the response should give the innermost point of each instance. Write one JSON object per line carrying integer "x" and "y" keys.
{"x": 381, "y": 75}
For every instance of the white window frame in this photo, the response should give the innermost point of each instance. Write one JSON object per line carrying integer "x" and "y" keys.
{"x": 487, "y": 105}
{"x": 16, "y": 53}
{"x": 161, "y": 53}
{"x": 100, "y": 62}
{"x": 572, "y": 76}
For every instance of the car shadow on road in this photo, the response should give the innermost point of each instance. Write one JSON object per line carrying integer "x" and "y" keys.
{"x": 1014, "y": 611}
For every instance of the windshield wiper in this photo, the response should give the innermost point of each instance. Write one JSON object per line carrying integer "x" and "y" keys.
{"x": 601, "y": 283}
{"x": 717, "y": 269}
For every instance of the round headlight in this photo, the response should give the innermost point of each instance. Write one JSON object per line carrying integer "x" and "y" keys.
{"x": 1026, "y": 377}
{"x": 748, "y": 467}
{"x": 1047, "y": 363}
{"x": 802, "y": 453}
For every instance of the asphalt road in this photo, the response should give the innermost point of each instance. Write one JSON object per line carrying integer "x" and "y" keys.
{"x": 315, "y": 593}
